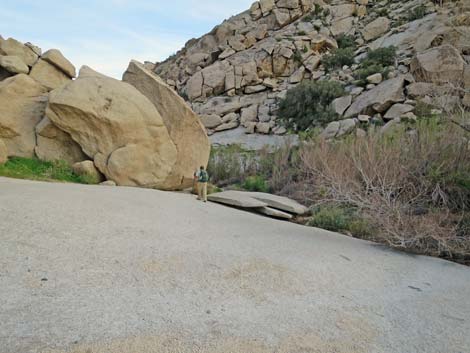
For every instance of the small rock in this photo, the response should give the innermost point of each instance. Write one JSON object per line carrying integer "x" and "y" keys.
{"x": 375, "y": 78}
{"x": 364, "y": 118}
{"x": 108, "y": 183}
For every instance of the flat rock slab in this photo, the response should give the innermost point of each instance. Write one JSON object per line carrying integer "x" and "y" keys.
{"x": 279, "y": 202}
{"x": 94, "y": 269}
{"x": 236, "y": 198}
{"x": 272, "y": 212}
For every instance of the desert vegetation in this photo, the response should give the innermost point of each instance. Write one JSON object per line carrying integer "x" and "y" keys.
{"x": 408, "y": 188}
{"x": 35, "y": 169}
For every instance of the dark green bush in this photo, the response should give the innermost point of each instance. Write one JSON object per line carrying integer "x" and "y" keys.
{"x": 346, "y": 41}
{"x": 338, "y": 58}
{"x": 256, "y": 183}
{"x": 417, "y": 13}
{"x": 376, "y": 61}
{"x": 381, "y": 56}
{"x": 308, "y": 105}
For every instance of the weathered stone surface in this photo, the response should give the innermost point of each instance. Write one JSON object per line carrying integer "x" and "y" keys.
{"x": 376, "y": 28}
{"x": 56, "y": 58}
{"x": 210, "y": 121}
{"x": 272, "y": 212}
{"x": 48, "y": 75}
{"x": 397, "y": 110}
{"x": 184, "y": 126}
{"x": 54, "y": 144}
{"x": 236, "y": 198}
{"x": 331, "y": 130}
{"x": 341, "y": 104}
{"x": 442, "y": 64}
{"x": 12, "y": 47}
{"x": 116, "y": 126}
{"x": 14, "y": 64}
{"x": 108, "y": 183}
{"x": 23, "y": 101}
{"x": 378, "y": 99}
{"x": 342, "y": 11}
{"x": 375, "y": 78}
{"x": 3, "y": 152}
{"x": 88, "y": 169}
{"x": 279, "y": 202}
{"x": 342, "y": 26}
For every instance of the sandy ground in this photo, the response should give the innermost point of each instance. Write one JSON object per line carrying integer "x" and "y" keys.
{"x": 89, "y": 269}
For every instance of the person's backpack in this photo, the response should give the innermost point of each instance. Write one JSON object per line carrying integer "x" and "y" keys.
{"x": 203, "y": 176}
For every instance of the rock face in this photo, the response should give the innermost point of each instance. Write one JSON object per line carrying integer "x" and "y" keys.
{"x": 54, "y": 144}
{"x": 379, "y": 99}
{"x": 13, "y": 64}
{"x": 23, "y": 101}
{"x": 442, "y": 64}
{"x": 184, "y": 126}
{"x": 56, "y": 58}
{"x": 248, "y": 63}
{"x": 88, "y": 169}
{"x": 117, "y": 127}
{"x": 12, "y": 47}
{"x": 48, "y": 75}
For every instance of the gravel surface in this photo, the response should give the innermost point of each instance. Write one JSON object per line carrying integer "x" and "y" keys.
{"x": 90, "y": 269}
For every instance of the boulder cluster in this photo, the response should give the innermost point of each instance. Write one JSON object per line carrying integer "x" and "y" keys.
{"x": 135, "y": 132}
{"x": 236, "y": 75}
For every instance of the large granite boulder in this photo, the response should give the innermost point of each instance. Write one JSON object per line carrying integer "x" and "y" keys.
{"x": 13, "y": 64}
{"x": 442, "y": 64}
{"x": 12, "y": 47}
{"x": 185, "y": 129}
{"x": 48, "y": 75}
{"x": 56, "y": 58}
{"x": 88, "y": 170}
{"x": 54, "y": 144}
{"x": 23, "y": 101}
{"x": 376, "y": 28}
{"x": 378, "y": 99}
{"x": 117, "y": 127}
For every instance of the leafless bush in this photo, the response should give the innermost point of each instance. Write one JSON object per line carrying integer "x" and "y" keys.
{"x": 412, "y": 186}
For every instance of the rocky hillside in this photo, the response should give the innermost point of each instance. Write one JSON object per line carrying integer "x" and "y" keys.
{"x": 235, "y": 76}
{"x": 135, "y": 133}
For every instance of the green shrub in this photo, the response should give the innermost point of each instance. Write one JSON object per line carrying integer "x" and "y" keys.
{"x": 308, "y": 105}
{"x": 346, "y": 41}
{"x": 338, "y": 218}
{"x": 297, "y": 57}
{"x": 256, "y": 183}
{"x": 376, "y": 61}
{"x": 338, "y": 58}
{"x": 35, "y": 169}
{"x": 381, "y": 56}
{"x": 228, "y": 164}
{"x": 417, "y": 13}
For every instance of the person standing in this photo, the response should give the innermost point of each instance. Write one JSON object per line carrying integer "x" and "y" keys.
{"x": 203, "y": 178}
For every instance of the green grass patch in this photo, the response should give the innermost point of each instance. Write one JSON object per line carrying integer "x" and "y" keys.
{"x": 256, "y": 183}
{"x": 35, "y": 169}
